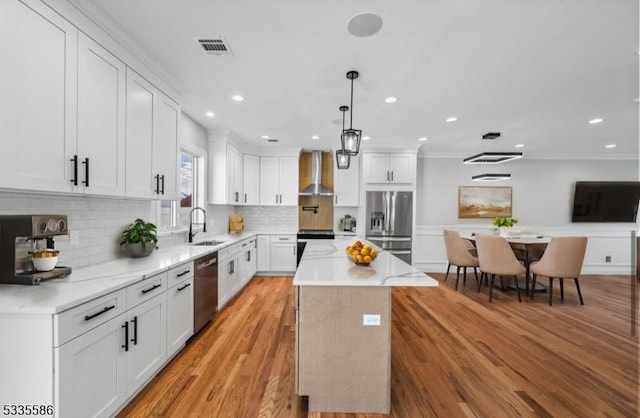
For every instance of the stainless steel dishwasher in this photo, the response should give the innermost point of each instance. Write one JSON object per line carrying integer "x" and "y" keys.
{"x": 205, "y": 290}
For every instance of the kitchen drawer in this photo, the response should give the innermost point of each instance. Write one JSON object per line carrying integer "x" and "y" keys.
{"x": 146, "y": 289}
{"x": 179, "y": 273}
{"x": 229, "y": 251}
{"x": 76, "y": 321}
{"x": 283, "y": 238}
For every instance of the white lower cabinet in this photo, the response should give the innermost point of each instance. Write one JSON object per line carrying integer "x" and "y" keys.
{"x": 227, "y": 278}
{"x": 247, "y": 261}
{"x": 264, "y": 253}
{"x": 179, "y": 315}
{"x": 91, "y": 372}
{"x": 283, "y": 253}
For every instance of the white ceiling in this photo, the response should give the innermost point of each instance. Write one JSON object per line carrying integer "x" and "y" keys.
{"x": 534, "y": 70}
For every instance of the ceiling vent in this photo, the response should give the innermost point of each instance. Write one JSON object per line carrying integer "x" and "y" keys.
{"x": 214, "y": 46}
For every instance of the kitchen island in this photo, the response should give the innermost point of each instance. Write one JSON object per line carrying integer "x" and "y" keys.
{"x": 343, "y": 327}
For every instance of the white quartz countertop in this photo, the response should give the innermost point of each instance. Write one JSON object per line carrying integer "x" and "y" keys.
{"x": 325, "y": 263}
{"x": 87, "y": 283}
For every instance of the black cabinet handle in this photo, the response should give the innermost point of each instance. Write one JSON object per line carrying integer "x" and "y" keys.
{"x": 237, "y": 198}
{"x": 157, "y": 177}
{"x": 180, "y": 289}
{"x": 134, "y": 340}
{"x": 126, "y": 336}
{"x": 154, "y": 287}
{"x": 245, "y": 198}
{"x": 74, "y": 160}
{"x": 183, "y": 273}
{"x": 392, "y": 176}
{"x": 105, "y": 310}
{"x": 162, "y": 179}
{"x": 248, "y": 255}
{"x": 86, "y": 171}
{"x": 233, "y": 266}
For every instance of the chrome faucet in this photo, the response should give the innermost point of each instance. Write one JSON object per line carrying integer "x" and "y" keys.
{"x": 204, "y": 225}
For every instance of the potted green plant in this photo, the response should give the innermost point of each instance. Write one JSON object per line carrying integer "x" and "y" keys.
{"x": 139, "y": 239}
{"x": 503, "y": 223}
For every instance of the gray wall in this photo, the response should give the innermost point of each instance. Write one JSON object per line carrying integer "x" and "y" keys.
{"x": 542, "y": 190}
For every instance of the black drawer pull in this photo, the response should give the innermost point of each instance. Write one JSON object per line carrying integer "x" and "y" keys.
{"x": 74, "y": 160}
{"x": 180, "y": 289}
{"x": 126, "y": 336}
{"x": 157, "y": 177}
{"x": 105, "y": 310}
{"x": 134, "y": 340}
{"x": 183, "y": 273}
{"x": 154, "y": 287}
{"x": 86, "y": 171}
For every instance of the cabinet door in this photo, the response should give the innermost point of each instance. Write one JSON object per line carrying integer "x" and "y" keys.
{"x": 253, "y": 262}
{"x": 269, "y": 181}
{"x": 224, "y": 274}
{"x": 179, "y": 315}
{"x": 402, "y": 168}
{"x": 235, "y": 278}
{"x": 251, "y": 180}
{"x": 283, "y": 257}
{"x": 264, "y": 253}
{"x": 91, "y": 372}
{"x": 289, "y": 181}
{"x": 165, "y": 147}
{"x": 147, "y": 341}
{"x": 38, "y": 85}
{"x": 141, "y": 130}
{"x": 101, "y": 116}
{"x": 347, "y": 185}
{"x": 234, "y": 175}
{"x": 376, "y": 168}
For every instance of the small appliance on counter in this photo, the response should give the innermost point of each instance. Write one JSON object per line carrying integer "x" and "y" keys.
{"x": 347, "y": 224}
{"x": 27, "y": 253}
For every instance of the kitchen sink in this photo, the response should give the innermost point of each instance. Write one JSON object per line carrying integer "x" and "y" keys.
{"x": 209, "y": 243}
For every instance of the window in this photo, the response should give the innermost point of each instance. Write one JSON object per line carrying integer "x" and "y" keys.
{"x": 173, "y": 213}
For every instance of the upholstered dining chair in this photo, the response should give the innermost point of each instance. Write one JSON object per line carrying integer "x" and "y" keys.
{"x": 459, "y": 255}
{"x": 496, "y": 258}
{"x": 562, "y": 259}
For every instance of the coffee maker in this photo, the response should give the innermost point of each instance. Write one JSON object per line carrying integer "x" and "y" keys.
{"x": 20, "y": 236}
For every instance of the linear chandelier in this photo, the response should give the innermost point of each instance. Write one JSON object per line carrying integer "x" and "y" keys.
{"x": 492, "y": 158}
{"x": 343, "y": 158}
{"x": 491, "y": 177}
{"x": 350, "y": 138}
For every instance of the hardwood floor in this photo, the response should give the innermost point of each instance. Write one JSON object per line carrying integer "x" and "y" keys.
{"x": 453, "y": 354}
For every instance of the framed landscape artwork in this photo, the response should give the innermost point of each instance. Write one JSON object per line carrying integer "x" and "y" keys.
{"x": 483, "y": 202}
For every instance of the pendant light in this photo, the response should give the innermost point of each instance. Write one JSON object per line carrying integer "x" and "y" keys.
{"x": 350, "y": 138}
{"x": 343, "y": 158}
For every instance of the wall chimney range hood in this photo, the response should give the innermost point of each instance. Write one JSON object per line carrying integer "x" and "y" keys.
{"x": 316, "y": 188}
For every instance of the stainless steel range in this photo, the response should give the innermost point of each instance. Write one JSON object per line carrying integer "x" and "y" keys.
{"x": 20, "y": 237}
{"x": 305, "y": 235}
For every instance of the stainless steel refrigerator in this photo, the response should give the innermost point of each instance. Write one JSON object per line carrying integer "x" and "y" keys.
{"x": 390, "y": 222}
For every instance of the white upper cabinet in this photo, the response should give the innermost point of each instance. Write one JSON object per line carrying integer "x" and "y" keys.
{"x": 226, "y": 164}
{"x": 251, "y": 180}
{"x": 279, "y": 181}
{"x": 389, "y": 168}
{"x": 38, "y": 85}
{"x": 153, "y": 123}
{"x": 347, "y": 184}
{"x": 101, "y": 116}
{"x": 142, "y": 100}
{"x": 165, "y": 148}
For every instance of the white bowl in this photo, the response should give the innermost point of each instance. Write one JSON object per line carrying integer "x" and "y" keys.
{"x": 45, "y": 264}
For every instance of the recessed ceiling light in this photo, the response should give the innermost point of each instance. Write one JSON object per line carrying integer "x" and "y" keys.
{"x": 451, "y": 119}
{"x": 364, "y": 24}
{"x": 365, "y": 138}
{"x": 315, "y": 137}
{"x": 391, "y": 99}
{"x": 519, "y": 145}
{"x": 595, "y": 121}
{"x": 237, "y": 98}
{"x": 637, "y": 100}
{"x": 265, "y": 137}
{"x": 210, "y": 114}
{"x": 610, "y": 146}
{"x": 424, "y": 138}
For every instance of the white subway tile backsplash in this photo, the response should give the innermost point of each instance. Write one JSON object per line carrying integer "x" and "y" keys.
{"x": 270, "y": 218}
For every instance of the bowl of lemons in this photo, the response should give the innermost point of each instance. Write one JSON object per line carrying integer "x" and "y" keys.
{"x": 361, "y": 254}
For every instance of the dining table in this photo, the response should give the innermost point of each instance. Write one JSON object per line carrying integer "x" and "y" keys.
{"x": 529, "y": 245}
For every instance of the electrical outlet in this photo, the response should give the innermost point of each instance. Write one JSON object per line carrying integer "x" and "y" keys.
{"x": 607, "y": 258}
{"x": 369, "y": 320}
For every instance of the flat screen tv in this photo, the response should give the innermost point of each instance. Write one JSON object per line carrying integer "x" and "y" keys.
{"x": 606, "y": 201}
